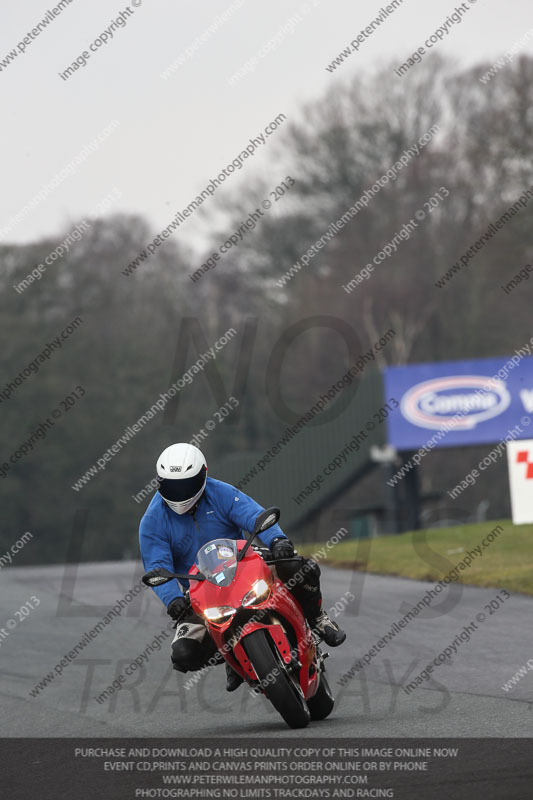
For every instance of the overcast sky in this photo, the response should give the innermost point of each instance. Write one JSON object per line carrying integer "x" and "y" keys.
{"x": 176, "y": 134}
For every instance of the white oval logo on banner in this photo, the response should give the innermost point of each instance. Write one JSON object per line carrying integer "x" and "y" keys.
{"x": 463, "y": 400}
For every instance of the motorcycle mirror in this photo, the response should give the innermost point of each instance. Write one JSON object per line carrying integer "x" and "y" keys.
{"x": 266, "y": 519}
{"x": 263, "y": 521}
{"x": 157, "y": 577}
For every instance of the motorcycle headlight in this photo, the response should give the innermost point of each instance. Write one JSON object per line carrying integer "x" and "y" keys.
{"x": 259, "y": 592}
{"x": 219, "y": 614}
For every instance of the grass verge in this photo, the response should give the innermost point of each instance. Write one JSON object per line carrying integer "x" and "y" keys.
{"x": 429, "y": 555}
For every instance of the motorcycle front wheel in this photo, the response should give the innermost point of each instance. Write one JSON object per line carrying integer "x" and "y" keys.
{"x": 321, "y": 704}
{"x": 285, "y": 696}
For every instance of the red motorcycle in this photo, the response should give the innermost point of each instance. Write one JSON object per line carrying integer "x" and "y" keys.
{"x": 257, "y": 625}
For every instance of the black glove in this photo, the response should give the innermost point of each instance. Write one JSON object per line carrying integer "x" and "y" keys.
{"x": 178, "y": 608}
{"x": 282, "y": 548}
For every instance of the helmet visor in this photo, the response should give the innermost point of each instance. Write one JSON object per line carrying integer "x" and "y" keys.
{"x": 178, "y": 490}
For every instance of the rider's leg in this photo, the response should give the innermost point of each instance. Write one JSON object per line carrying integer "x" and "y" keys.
{"x": 193, "y": 649}
{"x": 192, "y": 646}
{"x": 302, "y": 578}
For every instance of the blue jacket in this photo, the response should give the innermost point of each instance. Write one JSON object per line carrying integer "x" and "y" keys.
{"x": 172, "y": 540}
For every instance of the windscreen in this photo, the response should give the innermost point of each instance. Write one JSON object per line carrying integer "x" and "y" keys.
{"x": 217, "y": 560}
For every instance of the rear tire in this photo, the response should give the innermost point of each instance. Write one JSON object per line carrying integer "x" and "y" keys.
{"x": 321, "y": 704}
{"x": 286, "y": 698}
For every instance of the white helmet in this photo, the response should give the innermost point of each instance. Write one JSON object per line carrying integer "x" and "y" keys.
{"x": 181, "y": 474}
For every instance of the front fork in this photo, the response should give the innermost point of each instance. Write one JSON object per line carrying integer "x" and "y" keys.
{"x": 241, "y": 661}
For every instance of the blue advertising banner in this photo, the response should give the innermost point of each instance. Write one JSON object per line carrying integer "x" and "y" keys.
{"x": 456, "y": 403}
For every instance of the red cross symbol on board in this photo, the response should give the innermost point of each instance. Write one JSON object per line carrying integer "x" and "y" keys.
{"x": 523, "y": 458}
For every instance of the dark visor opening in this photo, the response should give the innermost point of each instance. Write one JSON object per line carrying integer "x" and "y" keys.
{"x": 178, "y": 490}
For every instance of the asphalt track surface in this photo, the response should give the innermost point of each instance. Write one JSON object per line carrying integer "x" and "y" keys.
{"x": 464, "y": 700}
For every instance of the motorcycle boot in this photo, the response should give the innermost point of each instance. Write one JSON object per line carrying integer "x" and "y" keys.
{"x": 233, "y": 680}
{"x": 328, "y": 630}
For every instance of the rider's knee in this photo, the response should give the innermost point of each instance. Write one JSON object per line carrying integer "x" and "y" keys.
{"x": 309, "y": 587}
{"x": 313, "y": 568}
{"x": 301, "y": 575}
{"x": 310, "y": 573}
{"x": 187, "y": 655}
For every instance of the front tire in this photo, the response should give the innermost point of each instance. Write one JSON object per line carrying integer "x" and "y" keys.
{"x": 321, "y": 704}
{"x": 286, "y": 698}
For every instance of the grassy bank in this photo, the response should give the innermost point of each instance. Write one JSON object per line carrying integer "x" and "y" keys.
{"x": 430, "y": 555}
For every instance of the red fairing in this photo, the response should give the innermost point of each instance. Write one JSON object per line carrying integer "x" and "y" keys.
{"x": 252, "y": 568}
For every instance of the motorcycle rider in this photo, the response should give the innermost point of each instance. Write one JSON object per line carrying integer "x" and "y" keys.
{"x": 190, "y": 509}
